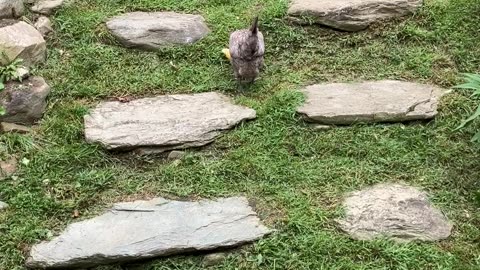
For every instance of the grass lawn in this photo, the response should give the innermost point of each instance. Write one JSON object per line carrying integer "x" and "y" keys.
{"x": 295, "y": 176}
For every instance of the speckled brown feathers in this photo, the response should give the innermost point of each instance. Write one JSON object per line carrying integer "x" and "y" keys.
{"x": 246, "y": 49}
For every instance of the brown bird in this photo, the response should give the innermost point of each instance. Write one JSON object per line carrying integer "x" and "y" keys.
{"x": 246, "y": 51}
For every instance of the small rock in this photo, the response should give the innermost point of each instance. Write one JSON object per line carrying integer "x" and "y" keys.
{"x": 321, "y": 127}
{"x": 176, "y": 163}
{"x": 214, "y": 259}
{"x": 24, "y": 102}
{"x": 174, "y": 155}
{"x": 164, "y": 123}
{"x": 153, "y": 30}
{"x": 46, "y": 7}
{"x": 23, "y": 41}
{"x": 10, "y": 127}
{"x": 3, "y": 206}
{"x": 8, "y": 167}
{"x": 350, "y": 15}
{"x": 22, "y": 73}
{"x": 149, "y": 229}
{"x": 146, "y": 151}
{"x": 396, "y": 211}
{"x": 44, "y": 25}
{"x": 377, "y": 101}
{"x": 10, "y": 9}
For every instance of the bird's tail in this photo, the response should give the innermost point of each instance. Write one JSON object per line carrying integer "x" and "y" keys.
{"x": 254, "y": 28}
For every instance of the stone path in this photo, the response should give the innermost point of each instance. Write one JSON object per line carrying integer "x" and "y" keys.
{"x": 153, "y": 30}
{"x": 165, "y": 122}
{"x": 396, "y": 211}
{"x": 350, "y": 15}
{"x": 378, "y": 101}
{"x": 147, "y": 229}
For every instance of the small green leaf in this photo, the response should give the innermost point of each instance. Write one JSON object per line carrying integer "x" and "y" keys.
{"x": 259, "y": 259}
{"x": 468, "y": 85}
{"x": 25, "y": 161}
{"x": 2, "y": 111}
{"x": 476, "y": 137}
{"x": 477, "y": 198}
{"x": 470, "y": 119}
{"x": 472, "y": 77}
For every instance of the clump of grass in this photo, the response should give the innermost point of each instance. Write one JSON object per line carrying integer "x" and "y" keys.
{"x": 7, "y": 73}
{"x": 472, "y": 83}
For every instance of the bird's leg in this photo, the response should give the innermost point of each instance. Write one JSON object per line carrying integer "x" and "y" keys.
{"x": 240, "y": 87}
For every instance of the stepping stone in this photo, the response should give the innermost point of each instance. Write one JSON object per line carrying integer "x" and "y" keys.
{"x": 10, "y": 9}
{"x": 350, "y": 15}
{"x": 46, "y": 7}
{"x": 21, "y": 40}
{"x": 395, "y": 211}
{"x": 153, "y": 30}
{"x": 145, "y": 229}
{"x": 380, "y": 101}
{"x": 24, "y": 101}
{"x": 164, "y": 123}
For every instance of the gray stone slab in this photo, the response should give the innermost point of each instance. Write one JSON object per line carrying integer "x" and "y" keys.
{"x": 395, "y": 211}
{"x": 164, "y": 123}
{"x": 350, "y": 15}
{"x": 146, "y": 229}
{"x": 154, "y": 30}
{"x": 377, "y": 101}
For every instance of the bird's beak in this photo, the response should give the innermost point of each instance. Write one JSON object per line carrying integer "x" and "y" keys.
{"x": 227, "y": 54}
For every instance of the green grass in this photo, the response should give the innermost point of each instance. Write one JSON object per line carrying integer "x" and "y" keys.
{"x": 295, "y": 176}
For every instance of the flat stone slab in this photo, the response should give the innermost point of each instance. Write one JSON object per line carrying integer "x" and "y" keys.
{"x": 146, "y": 229}
{"x": 154, "y": 30}
{"x": 350, "y": 15}
{"x": 21, "y": 40}
{"x": 164, "y": 123}
{"x": 395, "y": 211}
{"x": 378, "y": 101}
